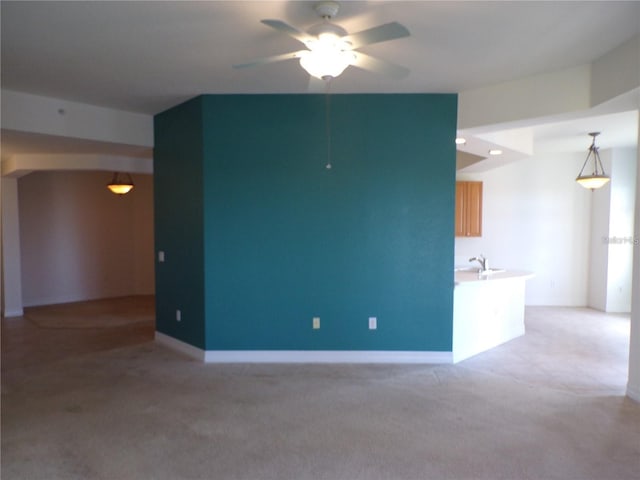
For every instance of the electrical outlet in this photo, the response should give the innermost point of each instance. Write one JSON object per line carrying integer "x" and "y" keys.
{"x": 161, "y": 256}
{"x": 373, "y": 323}
{"x": 316, "y": 323}
{"x": 178, "y": 315}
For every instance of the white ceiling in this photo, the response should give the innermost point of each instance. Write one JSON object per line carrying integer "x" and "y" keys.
{"x": 617, "y": 129}
{"x": 148, "y": 56}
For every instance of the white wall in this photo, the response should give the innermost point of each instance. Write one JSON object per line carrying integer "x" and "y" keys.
{"x": 12, "y": 282}
{"x": 541, "y": 95}
{"x": 612, "y": 233}
{"x": 143, "y": 236}
{"x": 25, "y": 112}
{"x": 621, "y": 223}
{"x": 536, "y": 218}
{"x": 599, "y": 249}
{"x": 79, "y": 241}
{"x": 633, "y": 385}
{"x": 616, "y": 72}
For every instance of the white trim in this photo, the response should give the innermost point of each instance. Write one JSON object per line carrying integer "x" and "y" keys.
{"x": 22, "y": 164}
{"x": 13, "y": 313}
{"x": 325, "y": 356}
{"x": 180, "y": 346}
{"x": 75, "y": 298}
{"x": 26, "y": 112}
{"x": 633, "y": 393}
{"x": 304, "y": 356}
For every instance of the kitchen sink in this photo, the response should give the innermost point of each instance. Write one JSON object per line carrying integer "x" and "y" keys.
{"x": 489, "y": 271}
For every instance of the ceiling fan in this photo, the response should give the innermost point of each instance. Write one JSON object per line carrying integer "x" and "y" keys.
{"x": 331, "y": 49}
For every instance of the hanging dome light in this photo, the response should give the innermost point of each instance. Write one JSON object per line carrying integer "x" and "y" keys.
{"x": 598, "y": 178}
{"x": 120, "y": 186}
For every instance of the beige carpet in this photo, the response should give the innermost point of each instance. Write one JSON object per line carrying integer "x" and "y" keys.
{"x": 104, "y": 313}
{"x": 549, "y": 405}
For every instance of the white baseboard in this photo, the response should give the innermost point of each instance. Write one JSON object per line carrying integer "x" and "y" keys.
{"x": 633, "y": 393}
{"x": 55, "y": 300}
{"x": 180, "y": 346}
{"x": 304, "y": 356}
{"x": 325, "y": 356}
{"x": 87, "y": 297}
{"x": 13, "y": 313}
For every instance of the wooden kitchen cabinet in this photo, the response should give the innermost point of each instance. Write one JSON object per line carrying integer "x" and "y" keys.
{"x": 468, "y": 209}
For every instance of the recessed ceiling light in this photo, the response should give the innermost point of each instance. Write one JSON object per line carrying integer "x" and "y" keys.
{"x": 461, "y": 141}
{"x": 495, "y": 151}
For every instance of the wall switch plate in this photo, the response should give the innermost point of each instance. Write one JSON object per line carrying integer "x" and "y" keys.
{"x": 178, "y": 315}
{"x": 161, "y": 256}
{"x": 373, "y": 323}
{"x": 316, "y": 323}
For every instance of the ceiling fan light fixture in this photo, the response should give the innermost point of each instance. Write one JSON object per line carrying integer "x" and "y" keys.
{"x": 331, "y": 49}
{"x": 326, "y": 61}
{"x": 597, "y": 178}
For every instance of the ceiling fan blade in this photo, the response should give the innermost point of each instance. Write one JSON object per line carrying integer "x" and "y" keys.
{"x": 288, "y": 29}
{"x": 373, "y": 64}
{"x": 381, "y": 33}
{"x": 271, "y": 59}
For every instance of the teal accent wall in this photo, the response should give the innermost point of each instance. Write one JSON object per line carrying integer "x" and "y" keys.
{"x": 282, "y": 239}
{"x": 178, "y": 215}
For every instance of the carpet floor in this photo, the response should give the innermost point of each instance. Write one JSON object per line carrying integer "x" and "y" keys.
{"x": 548, "y": 405}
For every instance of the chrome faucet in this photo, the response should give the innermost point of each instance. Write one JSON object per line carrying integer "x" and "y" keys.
{"x": 484, "y": 263}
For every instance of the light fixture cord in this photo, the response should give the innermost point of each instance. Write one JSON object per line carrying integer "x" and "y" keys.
{"x": 593, "y": 150}
{"x": 585, "y": 163}
{"x": 327, "y": 103}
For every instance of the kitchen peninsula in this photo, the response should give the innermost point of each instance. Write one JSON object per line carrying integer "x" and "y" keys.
{"x": 488, "y": 310}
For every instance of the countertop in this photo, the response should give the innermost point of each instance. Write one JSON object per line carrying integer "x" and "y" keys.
{"x": 465, "y": 277}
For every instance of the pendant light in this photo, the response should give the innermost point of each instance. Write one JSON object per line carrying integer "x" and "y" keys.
{"x": 597, "y": 178}
{"x": 119, "y": 185}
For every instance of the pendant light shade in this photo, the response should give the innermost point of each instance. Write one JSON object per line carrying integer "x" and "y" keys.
{"x": 120, "y": 183}
{"x": 597, "y": 178}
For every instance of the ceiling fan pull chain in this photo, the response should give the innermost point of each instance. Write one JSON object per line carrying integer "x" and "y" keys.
{"x": 327, "y": 97}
